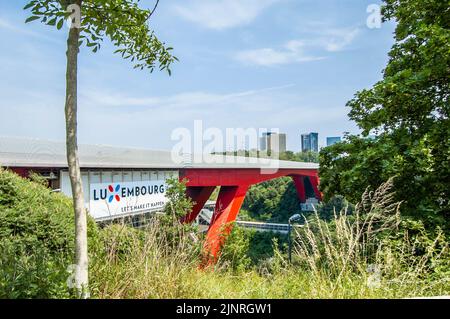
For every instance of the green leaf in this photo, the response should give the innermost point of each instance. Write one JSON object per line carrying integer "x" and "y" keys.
{"x": 52, "y": 21}
{"x": 60, "y": 24}
{"x": 32, "y": 18}
{"x": 29, "y": 5}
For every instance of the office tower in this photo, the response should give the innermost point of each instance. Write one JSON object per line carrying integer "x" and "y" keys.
{"x": 333, "y": 140}
{"x": 310, "y": 142}
{"x": 273, "y": 142}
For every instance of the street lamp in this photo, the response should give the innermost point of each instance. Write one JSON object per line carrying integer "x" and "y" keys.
{"x": 292, "y": 219}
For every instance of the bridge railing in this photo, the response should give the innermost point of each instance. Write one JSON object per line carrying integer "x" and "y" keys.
{"x": 205, "y": 216}
{"x": 273, "y": 227}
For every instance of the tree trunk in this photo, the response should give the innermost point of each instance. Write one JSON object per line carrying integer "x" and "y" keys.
{"x": 81, "y": 249}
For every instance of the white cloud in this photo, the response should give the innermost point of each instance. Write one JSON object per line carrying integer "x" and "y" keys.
{"x": 4, "y": 24}
{"x": 222, "y": 14}
{"x": 217, "y": 109}
{"x": 186, "y": 100}
{"x": 292, "y": 52}
{"x": 297, "y": 51}
{"x": 334, "y": 40}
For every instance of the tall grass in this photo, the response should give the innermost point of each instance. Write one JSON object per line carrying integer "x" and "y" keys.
{"x": 375, "y": 246}
{"x": 368, "y": 254}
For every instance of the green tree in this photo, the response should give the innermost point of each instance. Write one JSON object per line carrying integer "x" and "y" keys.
{"x": 309, "y": 157}
{"x": 274, "y": 201}
{"x": 408, "y": 111}
{"x": 179, "y": 205}
{"x": 124, "y": 23}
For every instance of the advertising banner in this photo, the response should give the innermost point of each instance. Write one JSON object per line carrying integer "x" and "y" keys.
{"x": 126, "y": 198}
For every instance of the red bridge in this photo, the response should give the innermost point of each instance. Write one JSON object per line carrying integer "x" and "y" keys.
{"x": 234, "y": 183}
{"x": 105, "y": 164}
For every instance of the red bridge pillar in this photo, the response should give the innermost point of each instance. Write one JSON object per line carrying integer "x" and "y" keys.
{"x": 227, "y": 208}
{"x": 199, "y": 195}
{"x": 315, "y": 184}
{"x": 299, "y": 182}
{"x": 234, "y": 184}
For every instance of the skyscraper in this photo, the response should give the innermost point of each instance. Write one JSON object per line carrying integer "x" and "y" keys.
{"x": 310, "y": 142}
{"x": 273, "y": 142}
{"x": 333, "y": 140}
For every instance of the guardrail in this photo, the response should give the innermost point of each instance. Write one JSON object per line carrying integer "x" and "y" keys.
{"x": 206, "y": 216}
{"x": 260, "y": 226}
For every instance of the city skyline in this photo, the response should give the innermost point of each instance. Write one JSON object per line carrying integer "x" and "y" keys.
{"x": 266, "y": 137}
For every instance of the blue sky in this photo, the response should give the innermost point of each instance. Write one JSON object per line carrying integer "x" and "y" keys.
{"x": 287, "y": 64}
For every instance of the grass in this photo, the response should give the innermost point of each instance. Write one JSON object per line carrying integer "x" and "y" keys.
{"x": 365, "y": 255}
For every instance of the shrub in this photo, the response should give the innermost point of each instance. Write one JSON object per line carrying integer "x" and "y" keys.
{"x": 245, "y": 248}
{"x": 36, "y": 239}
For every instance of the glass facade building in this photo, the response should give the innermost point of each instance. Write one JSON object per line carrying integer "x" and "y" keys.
{"x": 333, "y": 140}
{"x": 273, "y": 142}
{"x": 310, "y": 142}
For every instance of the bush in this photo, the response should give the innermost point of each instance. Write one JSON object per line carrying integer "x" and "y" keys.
{"x": 246, "y": 248}
{"x": 36, "y": 239}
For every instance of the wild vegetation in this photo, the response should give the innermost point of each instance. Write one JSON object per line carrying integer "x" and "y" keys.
{"x": 277, "y": 200}
{"x": 370, "y": 253}
{"x": 37, "y": 238}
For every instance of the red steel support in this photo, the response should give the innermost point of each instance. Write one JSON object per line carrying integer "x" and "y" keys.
{"x": 315, "y": 184}
{"x": 299, "y": 182}
{"x": 228, "y": 204}
{"x": 199, "y": 196}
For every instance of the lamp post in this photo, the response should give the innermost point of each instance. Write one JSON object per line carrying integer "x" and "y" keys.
{"x": 292, "y": 219}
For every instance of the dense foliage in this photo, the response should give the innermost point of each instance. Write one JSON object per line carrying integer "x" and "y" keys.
{"x": 36, "y": 239}
{"x": 308, "y": 157}
{"x": 367, "y": 255}
{"x": 246, "y": 248}
{"x": 408, "y": 110}
{"x": 275, "y": 201}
